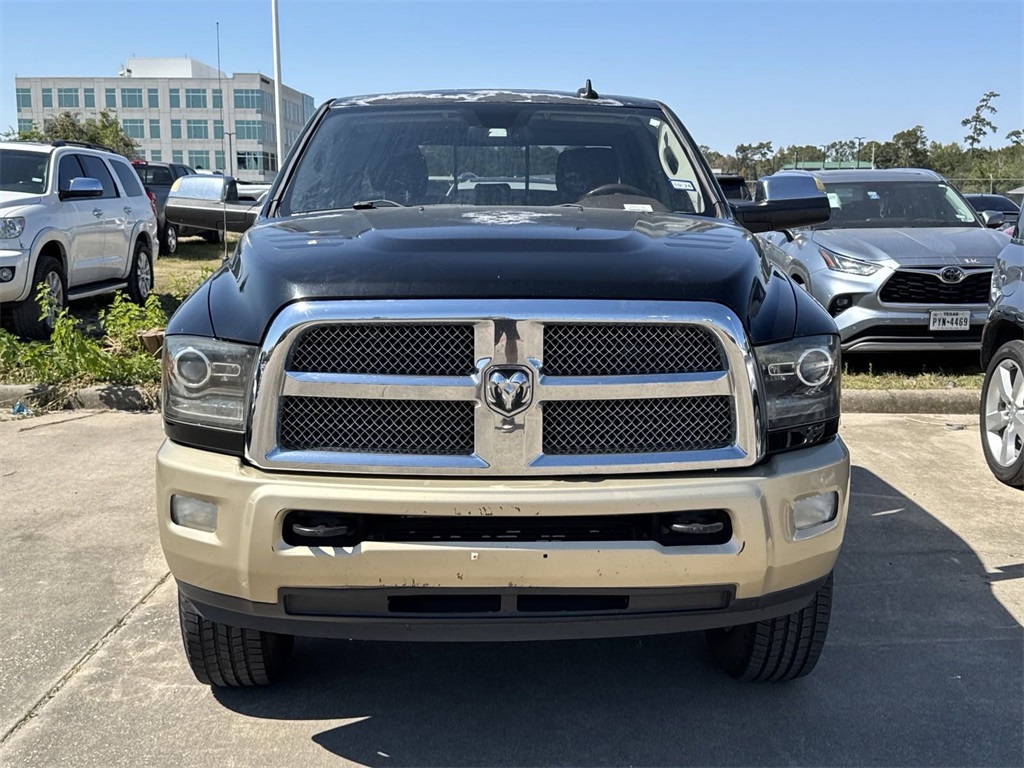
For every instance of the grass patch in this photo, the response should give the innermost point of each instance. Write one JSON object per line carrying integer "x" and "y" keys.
{"x": 915, "y": 370}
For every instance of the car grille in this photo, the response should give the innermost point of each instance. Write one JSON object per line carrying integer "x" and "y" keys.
{"x": 399, "y": 349}
{"x": 637, "y": 426}
{"x": 578, "y": 349}
{"x": 906, "y": 287}
{"x": 609, "y": 392}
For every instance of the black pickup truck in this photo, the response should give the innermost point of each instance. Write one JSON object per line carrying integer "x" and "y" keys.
{"x": 501, "y": 365}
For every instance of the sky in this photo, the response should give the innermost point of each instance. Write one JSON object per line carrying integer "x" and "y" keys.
{"x": 733, "y": 71}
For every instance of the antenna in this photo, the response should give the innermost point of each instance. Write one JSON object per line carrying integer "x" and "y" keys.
{"x": 220, "y": 87}
{"x": 587, "y": 92}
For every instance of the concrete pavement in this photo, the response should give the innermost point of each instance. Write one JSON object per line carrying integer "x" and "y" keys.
{"x": 924, "y": 664}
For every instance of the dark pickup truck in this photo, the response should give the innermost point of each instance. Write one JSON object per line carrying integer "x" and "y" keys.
{"x": 571, "y": 399}
{"x": 157, "y": 178}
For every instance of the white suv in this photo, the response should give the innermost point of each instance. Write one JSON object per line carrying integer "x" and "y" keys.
{"x": 75, "y": 217}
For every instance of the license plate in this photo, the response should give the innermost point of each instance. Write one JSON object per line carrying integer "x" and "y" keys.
{"x": 949, "y": 320}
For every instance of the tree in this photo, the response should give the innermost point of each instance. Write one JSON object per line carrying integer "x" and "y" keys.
{"x": 978, "y": 123}
{"x": 1016, "y": 137}
{"x": 105, "y": 129}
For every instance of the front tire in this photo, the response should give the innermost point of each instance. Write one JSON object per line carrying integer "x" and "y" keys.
{"x": 775, "y": 649}
{"x": 140, "y": 277}
{"x": 231, "y": 657}
{"x": 1002, "y": 414}
{"x": 25, "y": 315}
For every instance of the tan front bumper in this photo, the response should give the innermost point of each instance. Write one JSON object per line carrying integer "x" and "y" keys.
{"x": 246, "y": 557}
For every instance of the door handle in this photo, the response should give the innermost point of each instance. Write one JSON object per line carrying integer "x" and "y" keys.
{"x": 127, "y": 209}
{"x": 97, "y": 212}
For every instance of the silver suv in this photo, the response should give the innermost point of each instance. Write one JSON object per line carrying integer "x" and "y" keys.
{"x": 903, "y": 264}
{"x": 75, "y": 217}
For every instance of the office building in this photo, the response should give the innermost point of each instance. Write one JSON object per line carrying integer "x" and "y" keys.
{"x": 179, "y": 110}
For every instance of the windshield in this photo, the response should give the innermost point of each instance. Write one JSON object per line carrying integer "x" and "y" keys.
{"x": 497, "y": 154}
{"x": 23, "y": 171}
{"x": 879, "y": 204}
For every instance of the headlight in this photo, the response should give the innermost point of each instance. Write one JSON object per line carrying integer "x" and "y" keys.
{"x": 12, "y": 227}
{"x": 838, "y": 263}
{"x": 801, "y": 382}
{"x": 206, "y": 381}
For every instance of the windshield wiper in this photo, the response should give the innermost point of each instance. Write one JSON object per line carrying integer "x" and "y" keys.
{"x": 363, "y": 205}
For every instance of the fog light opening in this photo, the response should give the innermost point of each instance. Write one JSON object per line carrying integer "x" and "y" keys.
{"x": 193, "y": 513}
{"x": 815, "y": 510}
{"x": 6, "y": 274}
{"x": 840, "y": 304}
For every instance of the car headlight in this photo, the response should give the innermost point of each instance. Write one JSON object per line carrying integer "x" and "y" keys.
{"x": 206, "y": 381}
{"x": 801, "y": 380}
{"x": 11, "y": 227}
{"x": 838, "y": 263}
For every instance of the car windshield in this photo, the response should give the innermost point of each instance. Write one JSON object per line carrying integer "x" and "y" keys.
{"x": 23, "y": 171}
{"x": 494, "y": 154}
{"x": 880, "y": 204}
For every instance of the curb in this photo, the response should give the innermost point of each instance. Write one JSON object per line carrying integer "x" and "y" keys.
{"x": 127, "y": 398}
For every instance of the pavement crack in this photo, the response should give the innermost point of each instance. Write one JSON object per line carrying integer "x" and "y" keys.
{"x": 83, "y": 660}
{"x": 61, "y": 421}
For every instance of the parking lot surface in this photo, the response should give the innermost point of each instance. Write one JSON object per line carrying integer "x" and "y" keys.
{"x": 924, "y": 663}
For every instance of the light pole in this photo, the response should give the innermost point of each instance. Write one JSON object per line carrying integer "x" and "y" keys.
{"x": 859, "y": 140}
{"x": 278, "y": 118}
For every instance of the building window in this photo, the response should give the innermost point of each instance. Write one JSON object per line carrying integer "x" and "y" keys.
{"x": 24, "y": 96}
{"x": 154, "y": 129}
{"x": 67, "y": 98}
{"x": 199, "y": 158}
{"x": 110, "y": 98}
{"x": 177, "y": 156}
{"x": 175, "y": 129}
{"x": 156, "y": 155}
{"x": 218, "y": 129}
{"x": 134, "y": 128}
{"x": 218, "y": 160}
{"x": 47, "y": 97}
{"x": 249, "y": 98}
{"x": 174, "y": 96}
{"x": 195, "y": 98}
{"x": 218, "y": 98}
{"x": 153, "y": 98}
{"x": 131, "y": 98}
{"x": 140, "y": 154}
{"x": 249, "y": 129}
{"x": 256, "y": 161}
{"x": 24, "y": 124}
{"x": 90, "y": 98}
{"x": 198, "y": 129}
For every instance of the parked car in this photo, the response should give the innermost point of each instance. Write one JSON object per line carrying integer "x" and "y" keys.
{"x": 158, "y": 178}
{"x": 1002, "y": 359}
{"x": 998, "y": 203}
{"x": 903, "y": 264}
{"x": 595, "y": 412}
{"x": 74, "y": 217}
{"x": 734, "y": 186}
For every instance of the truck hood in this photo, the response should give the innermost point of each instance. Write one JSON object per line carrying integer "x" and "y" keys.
{"x": 916, "y": 246}
{"x": 12, "y": 200}
{"x": 492, "y": 254}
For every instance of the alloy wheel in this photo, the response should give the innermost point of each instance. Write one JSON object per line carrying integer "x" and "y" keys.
{"x": 1004, "y": 413}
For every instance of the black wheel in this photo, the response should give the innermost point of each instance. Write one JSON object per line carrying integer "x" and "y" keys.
{"x": 25, "y": 315}
{"x": 1002, "y": 414}
{"x": 168, "y": 240}
{"x": 214, "y": 236}
{"x": 140, "y": 278}
{"x": 777, "y": 649}
{"x": 227, "y": 656}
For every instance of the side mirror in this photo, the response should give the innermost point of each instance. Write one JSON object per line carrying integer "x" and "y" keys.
{"x": 81, "y": 188}
{"x": 783, "y": 201}
{"x": 993, "y": 219}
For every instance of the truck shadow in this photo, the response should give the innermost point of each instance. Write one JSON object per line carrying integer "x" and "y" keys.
{"x": 923, "y": 667}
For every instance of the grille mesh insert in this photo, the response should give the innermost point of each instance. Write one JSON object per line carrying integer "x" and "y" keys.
{"x": 656, "y": 425}
{"x": 349, "y": 425}
{"x": 586, "y": 349}
{"x": 398, "y": 349}
{"x": 918, "y": 288}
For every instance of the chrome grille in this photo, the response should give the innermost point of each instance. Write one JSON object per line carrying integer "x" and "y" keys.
{"x": 576, "y": 349}
{"x": 415, "y": 427}
{"x": 905, "y": 287}
{"x": 655, "y": 425}
{"x": 436, "y": 349}
{"x": 413, "y": 391}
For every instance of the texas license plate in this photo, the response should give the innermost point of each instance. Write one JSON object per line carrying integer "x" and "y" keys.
{"x": 949, "y": 320}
